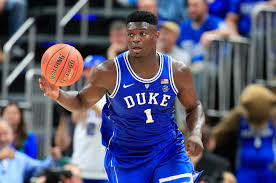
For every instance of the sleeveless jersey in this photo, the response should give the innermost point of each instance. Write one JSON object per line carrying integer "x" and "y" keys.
{"x": 257, "y": 149}
{"x": 142, "y": 115}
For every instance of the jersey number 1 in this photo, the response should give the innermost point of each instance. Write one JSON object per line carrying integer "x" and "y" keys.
{"x": 149, "y": 116}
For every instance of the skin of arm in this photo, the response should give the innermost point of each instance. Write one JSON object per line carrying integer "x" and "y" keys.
{"x": 195, "y": 116}
{"x": 103, "y": 80}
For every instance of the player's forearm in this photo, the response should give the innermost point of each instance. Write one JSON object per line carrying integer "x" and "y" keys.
{"x": 195, "y": 120}
{"x": 70, "y": 100}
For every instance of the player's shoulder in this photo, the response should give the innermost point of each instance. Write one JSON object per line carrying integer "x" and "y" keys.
{"x": 104, "y": 73}
{"x": 182, "y": 74}
{"x": 179, "y": 66}
{"x": 105, "y": 68}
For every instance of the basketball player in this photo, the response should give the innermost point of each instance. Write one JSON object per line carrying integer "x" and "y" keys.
{"x": 141, "y": 84}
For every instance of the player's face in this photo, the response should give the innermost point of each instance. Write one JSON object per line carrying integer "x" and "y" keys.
{"x": 141, "y": 38}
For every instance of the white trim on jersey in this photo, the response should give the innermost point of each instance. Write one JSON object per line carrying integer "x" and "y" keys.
{"x": 110, "y": 140}
{"x": 116, "y": 174}
{"x": 167, "y": 179}
{"x": 141, "y": 79}
{"x": 118, "y": 80}
{"x": 171, "y": 75}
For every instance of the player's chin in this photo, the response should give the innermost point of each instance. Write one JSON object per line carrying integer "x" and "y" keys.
{"x": 136, "y": 54}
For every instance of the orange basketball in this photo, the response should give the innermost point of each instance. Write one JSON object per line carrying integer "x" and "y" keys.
{"x": 61, "y": 65}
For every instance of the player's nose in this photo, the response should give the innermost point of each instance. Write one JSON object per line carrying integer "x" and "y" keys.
{"x": 136, "y": 38}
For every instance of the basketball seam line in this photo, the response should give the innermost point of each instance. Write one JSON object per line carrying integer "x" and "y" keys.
{"x": 75, "y": 72}
{"x": 51, "y": 59}
{"x": 63, "y": 65}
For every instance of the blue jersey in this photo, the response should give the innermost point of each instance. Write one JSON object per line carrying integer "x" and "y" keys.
{"x": 142, "y": 115}
{"x": 189, "y": 38}
{"x": 243, "y": 8}
{"x": 257, "y": 149}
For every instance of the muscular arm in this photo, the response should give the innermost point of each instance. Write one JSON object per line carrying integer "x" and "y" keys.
{"x": 102, "y": 81}
{"x": 187, "y": 96}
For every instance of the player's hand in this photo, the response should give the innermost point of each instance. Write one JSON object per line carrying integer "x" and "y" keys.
{"x": 194, "y": 145}
{"x": 49, "y": 89}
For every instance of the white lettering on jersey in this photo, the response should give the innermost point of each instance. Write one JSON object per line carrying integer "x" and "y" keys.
{"x": 165, "y": 99}
{"x": 130, "y": 102}
{"x": 143, "y": 97}
{"x": 153, "y": 98}
{"x": 141, "y": 100}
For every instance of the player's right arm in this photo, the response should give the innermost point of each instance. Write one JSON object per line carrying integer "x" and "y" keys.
{"x": 103, "y": 80}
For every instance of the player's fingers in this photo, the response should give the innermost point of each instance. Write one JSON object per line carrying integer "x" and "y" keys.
{"x": 191, "y": 147}
{"x": 198, "y": 149}
{"x": 41, "y": 87}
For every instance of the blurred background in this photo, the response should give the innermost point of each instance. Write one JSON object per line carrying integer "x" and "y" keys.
{"x": 228, "y": 45}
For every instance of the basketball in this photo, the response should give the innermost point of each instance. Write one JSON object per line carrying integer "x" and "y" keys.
{"x": 61, "y": 65}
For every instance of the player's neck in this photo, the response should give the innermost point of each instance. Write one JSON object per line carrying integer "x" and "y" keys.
{"x": 145, "y": 60}
{"x": 145, "y": 67}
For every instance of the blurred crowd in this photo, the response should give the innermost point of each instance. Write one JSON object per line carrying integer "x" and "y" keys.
{"x": 185, "y": 27}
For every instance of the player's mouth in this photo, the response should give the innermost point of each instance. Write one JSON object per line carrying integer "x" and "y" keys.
{"x": 137, "y": 49}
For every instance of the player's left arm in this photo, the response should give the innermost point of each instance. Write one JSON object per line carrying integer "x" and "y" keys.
{"x": 195, "y": 118}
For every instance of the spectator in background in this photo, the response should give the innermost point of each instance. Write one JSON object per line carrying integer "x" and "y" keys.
{"x": 172, "y": 10}
{"x": 166, "y": 10}
{"x": 88, "y": 151}
{"x": 238, "y": 16}
{"x": 117, "y": 39}
{"x": 148, "y": 5}
{"x": 169, "y": 33}
{"x": 195, "y": 34}
{"x": 195, "y": 31}
{"x": 15, "y": 167}
{"x": 24, "y": 141}
{"x": 17, "y": 11}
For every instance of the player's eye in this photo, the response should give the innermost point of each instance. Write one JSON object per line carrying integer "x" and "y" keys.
{"x": 142, "y": 33}
{"x": 130, "y": 34}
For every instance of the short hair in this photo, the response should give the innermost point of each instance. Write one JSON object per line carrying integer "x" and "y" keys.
{"x": 142, "y": 16}
{"x": 117, "y": 24}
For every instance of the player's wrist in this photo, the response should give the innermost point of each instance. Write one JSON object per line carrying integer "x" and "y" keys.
{"x": 196, "y": 134}
{"x": 58, "y": 95}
